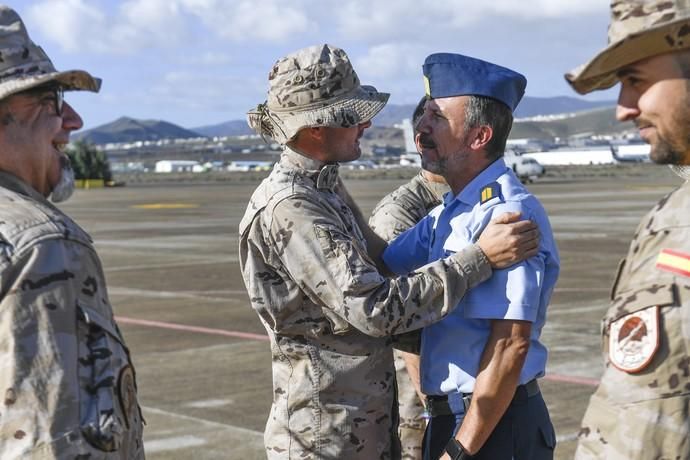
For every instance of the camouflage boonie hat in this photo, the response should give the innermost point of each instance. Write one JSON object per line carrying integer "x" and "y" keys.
{"x": 24, "y": 65}
{"x": 315, "y": 86}
{"x": 639, "y": 29}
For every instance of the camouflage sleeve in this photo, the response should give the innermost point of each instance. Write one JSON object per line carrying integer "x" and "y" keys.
{"x": 333, "y": 269}
{"x": 390, "y": 219}
{"x": 65, "y": 375}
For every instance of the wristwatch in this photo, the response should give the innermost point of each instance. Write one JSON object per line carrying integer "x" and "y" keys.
{"x": 456, "y": 451}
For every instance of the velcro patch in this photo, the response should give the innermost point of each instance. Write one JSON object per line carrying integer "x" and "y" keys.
{"x": 674, "y": 261}
{"x": 489, "y": 192}
{"x": 634, "y": 339}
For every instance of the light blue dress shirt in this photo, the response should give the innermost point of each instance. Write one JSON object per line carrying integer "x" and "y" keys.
{"x": 452, "y": 348}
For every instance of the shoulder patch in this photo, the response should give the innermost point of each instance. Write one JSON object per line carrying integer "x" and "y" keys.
{"x": 674, "y": 261}
{"x": 490, "y": 192}
{"x": 634, "y": 340}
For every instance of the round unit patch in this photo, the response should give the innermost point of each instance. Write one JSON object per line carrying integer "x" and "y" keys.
{"x": 634, "y": 339}
{"x": 127, "y": 393}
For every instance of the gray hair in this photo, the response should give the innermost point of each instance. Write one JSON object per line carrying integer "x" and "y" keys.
{"x": 485, "y": 111}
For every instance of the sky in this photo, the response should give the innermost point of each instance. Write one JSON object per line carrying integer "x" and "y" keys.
{"x": 203, "y": 62}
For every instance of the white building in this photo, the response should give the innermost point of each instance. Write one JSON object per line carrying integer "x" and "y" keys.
{"x": 170, "y": 166}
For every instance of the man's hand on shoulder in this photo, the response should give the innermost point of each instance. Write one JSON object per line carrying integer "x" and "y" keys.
{"x": 508, "y": 240}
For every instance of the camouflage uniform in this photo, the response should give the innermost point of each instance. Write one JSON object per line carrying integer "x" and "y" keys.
{"x": 66, "y": 378}
{"x": 644, "y": 415}
{"x": 394, "y": 214}
{"x": 329, "y": 314}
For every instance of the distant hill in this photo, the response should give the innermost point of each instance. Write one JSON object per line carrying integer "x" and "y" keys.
{"x": 126, "y": 129}
{"x": 589, "y": 117}
{"x": 585, "y": 123}
{"x": 533, "y": 106}
{"x": 528, "y": 107}
{"x": 229, "y": 128}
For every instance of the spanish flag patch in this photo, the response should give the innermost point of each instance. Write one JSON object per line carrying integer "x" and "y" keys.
{"x": 490, "y": 192}
{"x": 674, "y": 261}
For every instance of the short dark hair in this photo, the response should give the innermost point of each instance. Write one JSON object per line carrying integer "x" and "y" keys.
{"x": 418, "y": 112}
{"x": 483, "y": 110}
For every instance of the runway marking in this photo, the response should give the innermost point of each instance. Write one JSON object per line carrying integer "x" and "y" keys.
{"x": 202, "y": 421}
{"x": 264, "y": 338}
{"x": 165, "y": 206}
{"x": 189, "y": 328}
{"x": 188, "y": 263}
{"x": 165, "y": 294}
{"x": 207, "y": 403}
{"x": 571, "y": 379}
{"x": 174, "y": 443}
{"x": 566, "y": 437}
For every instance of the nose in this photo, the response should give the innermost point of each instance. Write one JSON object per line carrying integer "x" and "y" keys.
{"x": 627, "y": 108}
{"x": 423, "y": 125}
{"x": 71, "y": 121}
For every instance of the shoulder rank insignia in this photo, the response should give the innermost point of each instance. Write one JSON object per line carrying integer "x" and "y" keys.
{"x": 490, "y": 192}
{"x": 634, "y": 339}
{"x": 674, "y": 261}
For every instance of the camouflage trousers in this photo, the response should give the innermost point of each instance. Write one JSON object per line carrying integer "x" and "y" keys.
{"x": 412, "y": 424}
{"x": 653, "y": 429}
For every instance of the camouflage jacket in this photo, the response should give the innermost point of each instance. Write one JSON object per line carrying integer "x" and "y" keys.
{"x": 642, "y": 413}
{"x": 406, "y": 206}
{"x": 399, "y": 211}
{"x": 329, "y": 312}
{"x": 66, "y": 379}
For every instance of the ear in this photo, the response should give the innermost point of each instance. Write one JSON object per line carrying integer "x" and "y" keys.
{"x": 316, "y": 132}
{"x": 482, "y": 136}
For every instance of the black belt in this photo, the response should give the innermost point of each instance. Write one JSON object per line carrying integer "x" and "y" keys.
{"x": 438, "y": 405}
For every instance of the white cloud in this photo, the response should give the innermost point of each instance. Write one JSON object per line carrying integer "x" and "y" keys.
{"x": 246, "y": 20}
{"x": 68, "y": 23}
{"x": 427, "y": 21}
{"x": 77, "y": 26}
{"x": 391, "y": 60}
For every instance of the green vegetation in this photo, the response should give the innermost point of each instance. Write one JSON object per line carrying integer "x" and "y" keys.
{"x": 88, "y": 162}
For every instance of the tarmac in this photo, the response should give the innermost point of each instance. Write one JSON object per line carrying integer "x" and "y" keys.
{"x": 170, "y": 253}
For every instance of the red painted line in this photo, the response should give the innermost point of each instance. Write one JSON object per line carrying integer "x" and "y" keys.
{"x": 264, "y": 338}
{"x": 569, "y": 379}
{"x": 188, "y": 328}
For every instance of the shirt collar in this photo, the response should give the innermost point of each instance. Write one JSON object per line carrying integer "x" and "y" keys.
{"x": 325, "y": 175}
{"x": 12, "y": 182}
{"x": 471, "y": 193}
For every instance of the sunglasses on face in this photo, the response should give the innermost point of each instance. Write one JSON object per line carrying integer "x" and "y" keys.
{"x": 53, "y": 92}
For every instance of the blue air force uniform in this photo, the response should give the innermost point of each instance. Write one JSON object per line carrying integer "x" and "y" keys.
{"x": 452, "y": 348}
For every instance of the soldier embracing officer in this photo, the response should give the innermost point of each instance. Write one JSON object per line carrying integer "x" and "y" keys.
{"x": 313, "y": 269}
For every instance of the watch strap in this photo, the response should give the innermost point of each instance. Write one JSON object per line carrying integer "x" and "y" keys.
{"x": 456, "y": 451}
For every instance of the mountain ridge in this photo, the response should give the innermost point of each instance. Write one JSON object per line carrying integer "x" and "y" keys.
{"x": 126, "y": 129}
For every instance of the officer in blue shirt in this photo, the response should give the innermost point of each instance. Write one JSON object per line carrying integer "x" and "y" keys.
{"x": 479, "y": 365}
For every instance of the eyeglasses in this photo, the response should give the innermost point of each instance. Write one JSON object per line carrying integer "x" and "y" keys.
{"x": 57, "y": 96}
{"x": 59, "y": 100}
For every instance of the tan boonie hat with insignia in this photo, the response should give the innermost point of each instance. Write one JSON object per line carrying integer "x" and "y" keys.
{"x": 315, "y": 86}
{"x": 24, "y": 65}
{"x": 639, "y": 29}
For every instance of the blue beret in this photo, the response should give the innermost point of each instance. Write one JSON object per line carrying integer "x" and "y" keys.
{"x": 447, "y": 75}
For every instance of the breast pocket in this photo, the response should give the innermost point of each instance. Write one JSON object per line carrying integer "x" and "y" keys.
{"x": 107, "y": 389}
